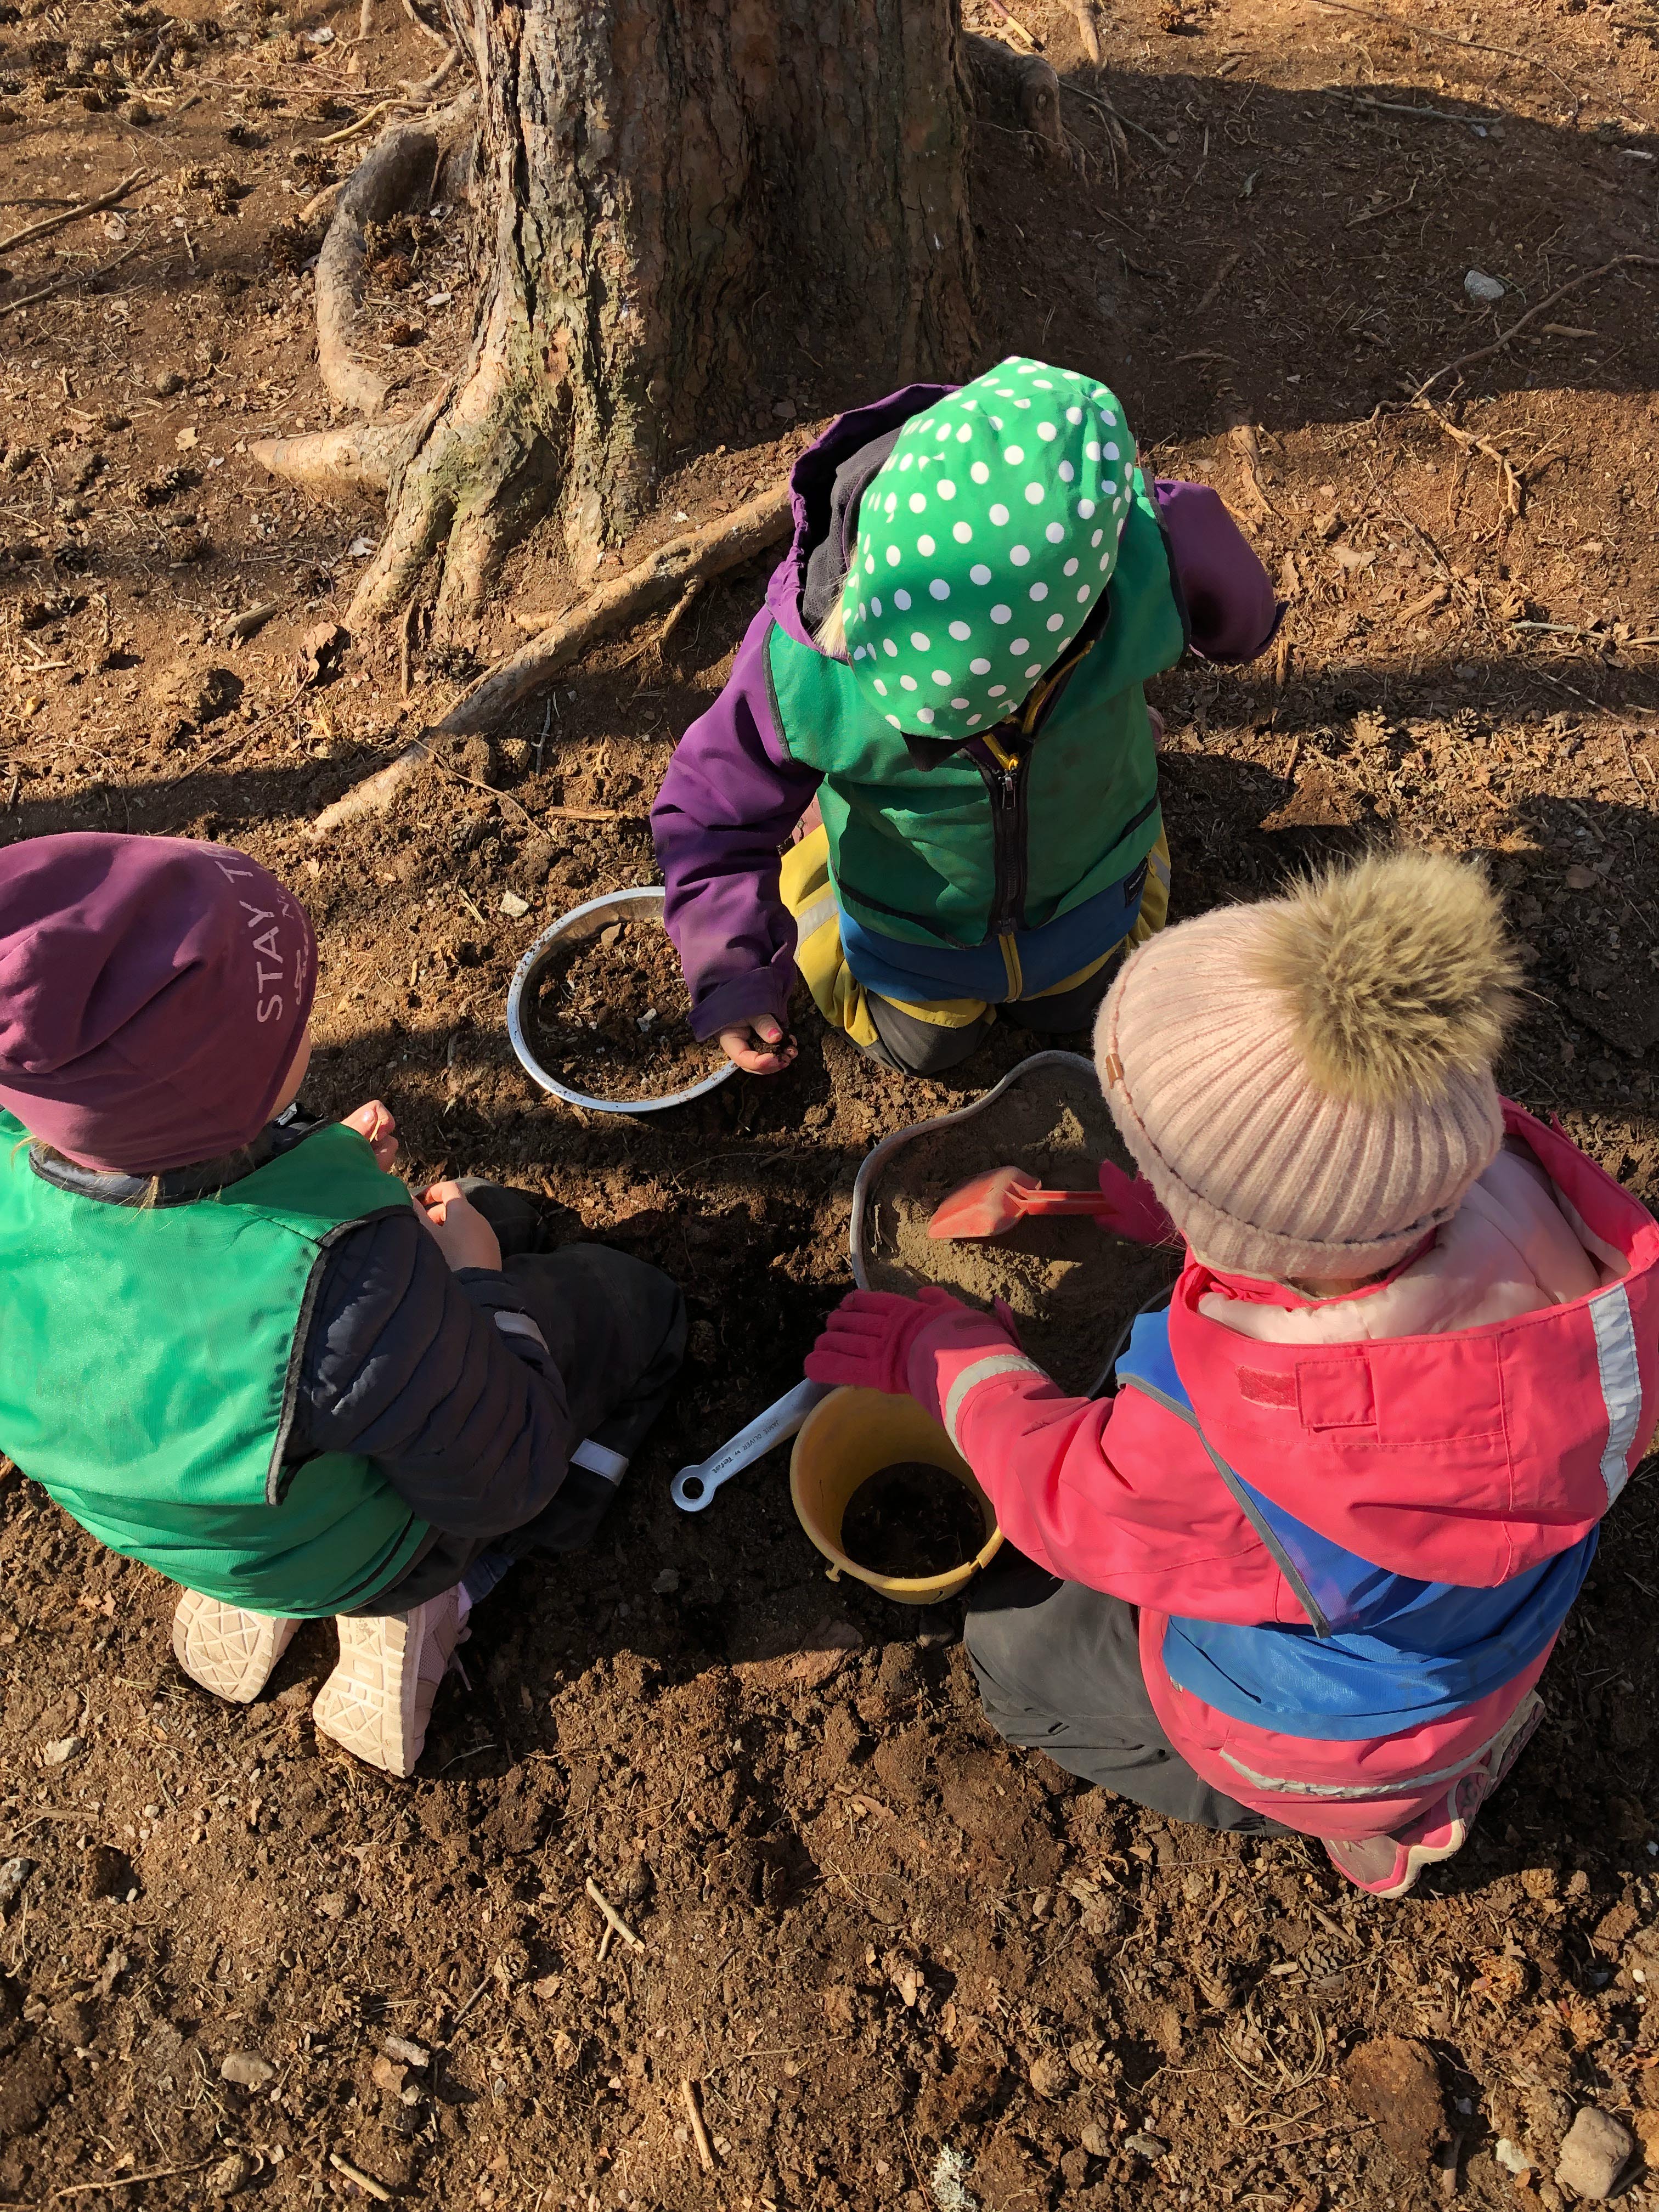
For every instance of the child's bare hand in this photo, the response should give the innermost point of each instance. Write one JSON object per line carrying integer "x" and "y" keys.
{"x": 759, "y": 1048}
{"x": 465, "y": 1237}
{"x": 375, "y": 1121}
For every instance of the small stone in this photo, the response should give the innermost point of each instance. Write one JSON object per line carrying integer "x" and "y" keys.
{"x": 389, "y": 2075}
{"x": 411, "y": 2054}
{"x": 1596, "y": 2152}
{"x": 1509, "y": 2155}
{"x": 165, "y": 382}
{"x": 514, "y": 907}
{"x": 230, "y": 2175}
{"x": 106, "y": 1872}
{"x": 1484, "y": 289}
{"x": 1097, "y": 2139}
{"x": 334, "y": 1904}
{"x": 61, "y": 1751}
{"x": 13, "y": 1874}
{"x": 665, "y": 1583}
{"x": 784, "y": 409}
{"x": 246, "y": 2068}
{"x": 1145, "y": 2145}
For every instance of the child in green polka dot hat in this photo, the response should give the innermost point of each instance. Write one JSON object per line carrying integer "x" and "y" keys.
{"x": 984, "y": 546}
{"x": 941, "y": 704}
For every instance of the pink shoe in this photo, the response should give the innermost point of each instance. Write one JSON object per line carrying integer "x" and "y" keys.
{"x": 1388, "y": 1866}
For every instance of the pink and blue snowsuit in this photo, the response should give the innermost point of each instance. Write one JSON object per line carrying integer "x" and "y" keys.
{"x": 1350, "y": 1559}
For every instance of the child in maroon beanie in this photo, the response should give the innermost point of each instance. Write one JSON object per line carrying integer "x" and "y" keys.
{"x": 232, "y": 1344}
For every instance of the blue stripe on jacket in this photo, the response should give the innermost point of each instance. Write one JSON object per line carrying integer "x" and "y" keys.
{"x": 1381, "y": 1652}
{"x": 1047, "y": 956}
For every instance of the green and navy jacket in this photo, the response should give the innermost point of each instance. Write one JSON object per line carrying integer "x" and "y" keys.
{"x": 995, "y": 869}
{"x": 262, "y": 1379}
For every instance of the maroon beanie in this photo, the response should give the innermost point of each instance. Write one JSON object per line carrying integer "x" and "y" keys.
{"x": 153, "y": 993}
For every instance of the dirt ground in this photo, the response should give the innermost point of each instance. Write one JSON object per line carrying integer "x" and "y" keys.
{"x": 901, "y": 1966}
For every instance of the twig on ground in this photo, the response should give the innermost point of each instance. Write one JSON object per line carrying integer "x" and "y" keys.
{"x": 366, "y": 2182}
{"x": 253, "y": 620}
{"x": 74, "y": 277}
{"x": 694, "y": 2113}
{"x": 619, "y": 1926}
{"x": 1584, "y": 277}
{"x": 1213, "y": 291}
{"x": 127, "y": 2180}
{"x": 1366, "y": 104}
{"x": 51, "y": 222}
{"x": 1450, "y": 39}
{"x": 1033, "y": 43}
{"x": 683, "y": 607}
{"x": 483, "y": 1984}
{"x": 1511, "y": 479}
{"x": 372, "y": 115}
{"x": 1113, "y": 115}
{"x": 552, "y": 813}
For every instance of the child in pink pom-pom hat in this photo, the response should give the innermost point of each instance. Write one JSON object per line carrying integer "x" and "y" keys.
{"x": 1305, "y": 1566}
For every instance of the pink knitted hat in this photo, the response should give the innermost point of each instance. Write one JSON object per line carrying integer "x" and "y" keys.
{"x": 1307, "y": 1082}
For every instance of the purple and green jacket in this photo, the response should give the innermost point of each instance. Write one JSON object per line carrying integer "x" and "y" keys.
{"x": 739, "y": 782}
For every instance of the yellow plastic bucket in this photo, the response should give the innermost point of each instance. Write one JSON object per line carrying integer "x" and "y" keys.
{"x": 853, "y": 1435}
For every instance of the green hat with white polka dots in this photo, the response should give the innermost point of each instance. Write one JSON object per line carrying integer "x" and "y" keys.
{"x": 984, "y": 542}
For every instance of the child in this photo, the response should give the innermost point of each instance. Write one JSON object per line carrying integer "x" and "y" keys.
{"x": 233, "y": 1345}
{"x": 1308, "y": 1563}
{"x": 951, "y": 660}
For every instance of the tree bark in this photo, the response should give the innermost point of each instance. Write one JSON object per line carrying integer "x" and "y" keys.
{"x": 686, "y": 208}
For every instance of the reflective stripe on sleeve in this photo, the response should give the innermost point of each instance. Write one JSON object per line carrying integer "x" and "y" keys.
{"x": 812, "y": 918}
{"x": 599, "y": 1459}
{"x": 1288, "y": 1786}
{"x": 1621, "y": 1381}
{"x": 520, "y": 1324}
{"x": 983, "y": 1371}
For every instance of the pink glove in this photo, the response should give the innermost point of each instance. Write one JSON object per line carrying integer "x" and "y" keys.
{"x": 867, "y": 1341}
{"x": 1133, "y": 1210}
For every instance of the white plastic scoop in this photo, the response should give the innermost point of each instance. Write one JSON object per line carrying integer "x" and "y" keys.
{"x": 693, "y": 1487}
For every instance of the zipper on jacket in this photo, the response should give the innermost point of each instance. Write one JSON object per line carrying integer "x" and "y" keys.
{"x": 997, "y": 756}
{"x": 1004, "y": 780}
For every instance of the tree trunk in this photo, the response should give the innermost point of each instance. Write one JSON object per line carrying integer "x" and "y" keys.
{"x": 687, "y": 207}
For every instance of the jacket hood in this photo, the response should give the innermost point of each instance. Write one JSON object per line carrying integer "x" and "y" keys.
{"x": 1466, "y": 1457}
{"x": 813, "y": 480}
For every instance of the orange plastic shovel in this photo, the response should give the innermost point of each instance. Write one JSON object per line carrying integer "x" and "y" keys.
{"x": 988, "y": 1204}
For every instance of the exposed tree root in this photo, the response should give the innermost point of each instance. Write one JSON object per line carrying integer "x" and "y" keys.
{"x": 674, "y": 571}
{"x": 476, "y": 472}
{"x": 1021, "y": 89}
{"x": 329, "y": 460}
{"x": 398, "y": 167}
{"x": 424, "y": 88}
{"x": 1573, "y": 283}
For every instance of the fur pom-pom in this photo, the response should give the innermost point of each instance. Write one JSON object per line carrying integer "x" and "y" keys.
{"x": 1398, "y": 971}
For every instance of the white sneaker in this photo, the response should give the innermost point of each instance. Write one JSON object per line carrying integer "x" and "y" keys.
{"x": 229, "y": 1651}
{"x": 379, "y": 1699}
